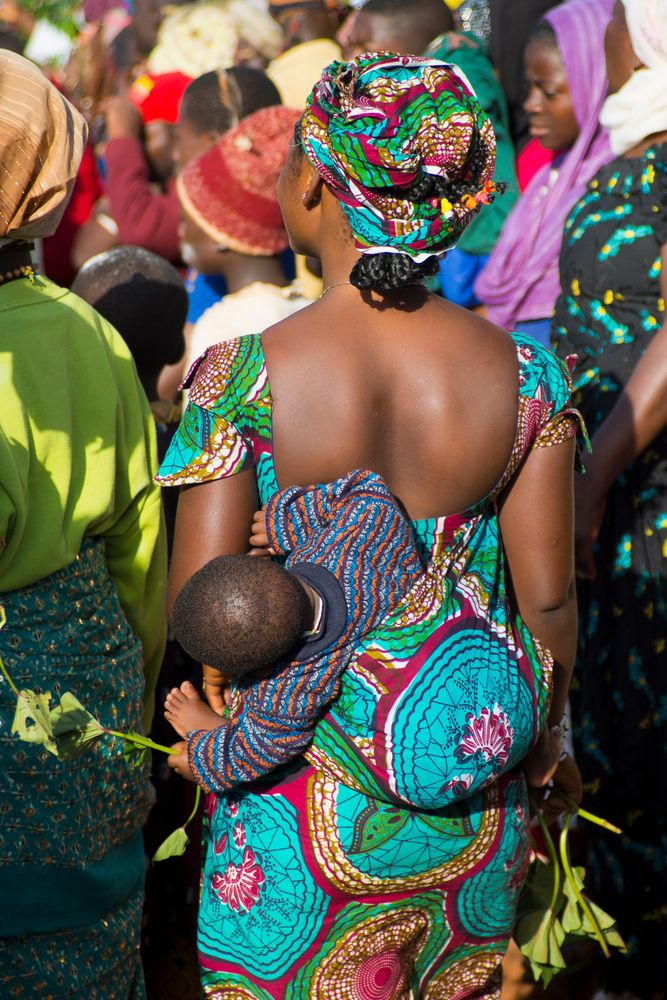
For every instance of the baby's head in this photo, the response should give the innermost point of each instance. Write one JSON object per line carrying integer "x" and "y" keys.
{"x": 241, "y": 614}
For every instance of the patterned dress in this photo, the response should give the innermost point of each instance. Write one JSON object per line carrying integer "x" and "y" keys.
{"x": 610, "y": 308}
{"x": 387, "y": 862}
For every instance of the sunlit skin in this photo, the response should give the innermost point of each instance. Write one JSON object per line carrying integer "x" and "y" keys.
{"x": 549, "y": 102}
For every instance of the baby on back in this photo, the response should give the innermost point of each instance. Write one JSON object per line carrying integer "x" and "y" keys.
{"x": 284, "y": 635}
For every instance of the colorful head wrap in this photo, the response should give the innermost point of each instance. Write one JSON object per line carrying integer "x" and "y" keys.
{"x": 382, "y": 122}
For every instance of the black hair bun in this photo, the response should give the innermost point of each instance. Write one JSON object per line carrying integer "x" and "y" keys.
{"x": 389, "y": 272}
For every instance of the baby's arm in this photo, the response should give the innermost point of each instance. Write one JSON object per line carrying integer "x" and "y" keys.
{"x": 273, "y": 725}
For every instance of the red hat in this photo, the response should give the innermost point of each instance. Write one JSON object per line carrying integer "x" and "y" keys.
{"x": 159, "y": 97}
{"x": 230, "y": 191}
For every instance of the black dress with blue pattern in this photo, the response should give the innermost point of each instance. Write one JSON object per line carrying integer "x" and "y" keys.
{"x": 609, "y": 309}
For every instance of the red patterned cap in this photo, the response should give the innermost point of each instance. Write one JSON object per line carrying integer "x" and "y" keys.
{"x": 230, "y": 190}
{"x": 158, "y": 97}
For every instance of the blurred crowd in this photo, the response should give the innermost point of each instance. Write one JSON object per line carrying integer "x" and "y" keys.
{"x": 174, "y": 234}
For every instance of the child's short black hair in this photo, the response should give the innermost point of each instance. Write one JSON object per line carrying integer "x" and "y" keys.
{"x": 241, "y": 614}
{"x": 144, "y": 298}
{"x": 219, "y": 99}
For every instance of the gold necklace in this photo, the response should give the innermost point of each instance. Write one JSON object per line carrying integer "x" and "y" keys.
{"x": 335, "y": 284}
{"x": 27, "y": 271}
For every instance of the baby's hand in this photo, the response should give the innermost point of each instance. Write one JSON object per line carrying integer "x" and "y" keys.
{"x": 178, "y": 761}
{"x": 215, "y": 687}
{"x": 259, "y": 539}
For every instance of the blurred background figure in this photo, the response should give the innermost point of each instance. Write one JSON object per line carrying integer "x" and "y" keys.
{"x": 143, "y": 297}
{"x": 567, "y": 86}
{"x": 140, "y": 206}
{"x": 232, "y": 226}
{"x": 309, "y": 29}
{"x": 197, "y": 37}
{"x": 211, "y": 105}
{"x": 611, "y": 315}
{"x": 512, "y": 22}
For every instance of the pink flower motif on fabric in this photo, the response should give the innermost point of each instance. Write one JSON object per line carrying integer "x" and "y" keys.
{"x": 233, "y": 807}
{"x": 238, "y": 887}
{"x": 219, "y": 845}
{"x": 239, "y": 834}
{"x": 459, "y": 784}
{"x": 491, "y": 735}
{"x": 525, "y": 353}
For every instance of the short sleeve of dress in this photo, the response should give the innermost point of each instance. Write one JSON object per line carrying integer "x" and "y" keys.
{"x": 545, "y": 391}
{"x": 229, "y": 408}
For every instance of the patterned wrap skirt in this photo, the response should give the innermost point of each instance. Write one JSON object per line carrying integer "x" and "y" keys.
{"x": 71, "y": 853}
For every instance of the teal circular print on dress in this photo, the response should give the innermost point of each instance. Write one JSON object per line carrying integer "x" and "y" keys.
{"x": 456, "y": 723}
{"x": 486, "y": 902}
{"x": 260, "y": 907}
{"x": 384, "y": 841}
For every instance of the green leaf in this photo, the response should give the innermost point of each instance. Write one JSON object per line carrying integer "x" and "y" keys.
{"x": 542, "y": 883}
{"x": 74, "y": 727}
{"x": 614, "y": 939}
{"x": 571, "y": 915}
{"x": 173, "y": 846}
{"x": 32, "y": 722}
{"x": 532, "y": 936}
{"x": 134, "y": 755}
{"x": 604, "y": 920}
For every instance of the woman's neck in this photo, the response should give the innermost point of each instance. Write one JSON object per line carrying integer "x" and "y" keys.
{"x": 641, "y": 147}
{"x": 240, "y": 270}
{"x": 15, "y": 255}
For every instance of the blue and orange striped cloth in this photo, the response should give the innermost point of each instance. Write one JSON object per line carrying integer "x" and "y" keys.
{"x": 351, "y": 543}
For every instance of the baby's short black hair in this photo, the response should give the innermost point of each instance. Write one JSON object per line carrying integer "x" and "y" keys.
{"x": 241, "y": 614}
{"x": 144, "y": 298}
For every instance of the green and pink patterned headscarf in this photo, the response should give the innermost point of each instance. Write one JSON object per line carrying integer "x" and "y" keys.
{"x": 372, "y": 126}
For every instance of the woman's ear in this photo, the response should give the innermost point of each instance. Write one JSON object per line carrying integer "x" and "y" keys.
{"x": 312, "y": 196}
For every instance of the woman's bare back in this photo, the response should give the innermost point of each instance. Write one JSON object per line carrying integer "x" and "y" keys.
{"x": 426, "y": 397}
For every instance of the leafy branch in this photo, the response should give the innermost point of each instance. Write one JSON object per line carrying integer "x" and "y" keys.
{"x": 553, "y": 910}
{"x": 67, "y": 729}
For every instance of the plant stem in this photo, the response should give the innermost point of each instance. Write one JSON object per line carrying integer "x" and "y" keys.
{"x": 3, "y": 622}
{"x": 584, "y": 814}
{"x": 553, "y": 857}
{"x": 569, "y": 874}
{"x": 139, "y": 741}
{"x": 194, "y": 808}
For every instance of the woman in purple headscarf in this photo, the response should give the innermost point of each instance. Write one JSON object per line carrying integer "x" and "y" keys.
{"x": 566, "y": 87}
